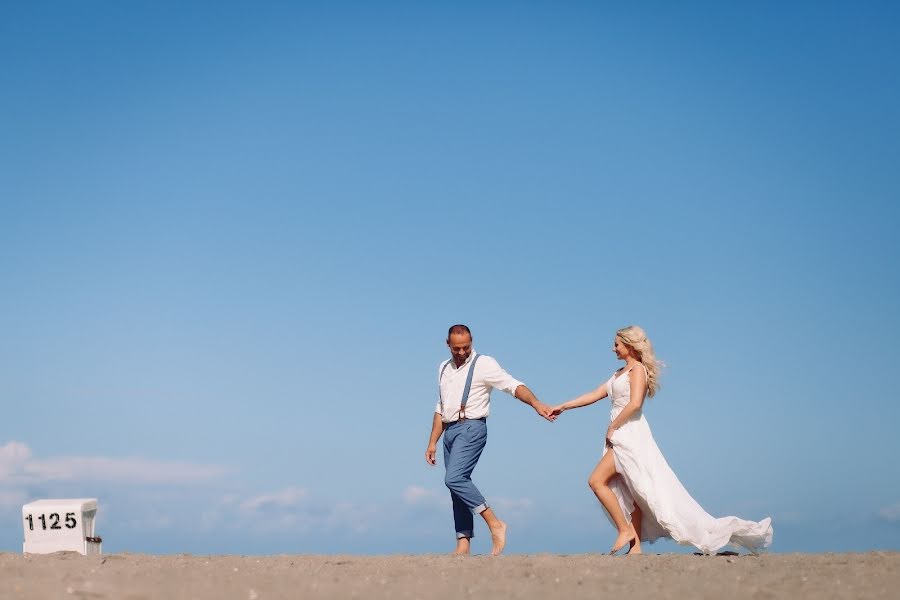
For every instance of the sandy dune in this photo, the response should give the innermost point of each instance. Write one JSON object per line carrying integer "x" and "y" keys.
{"x": 135, "y": 576}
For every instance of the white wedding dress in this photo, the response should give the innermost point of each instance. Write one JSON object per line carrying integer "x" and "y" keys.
{"x": 668, "y": 510}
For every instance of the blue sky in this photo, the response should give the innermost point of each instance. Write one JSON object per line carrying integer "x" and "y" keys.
{"x": 232, "y": 237}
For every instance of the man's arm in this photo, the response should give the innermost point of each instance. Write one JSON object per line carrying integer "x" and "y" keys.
{"x": 437, "y": 428}
{"x": 496, "y": 377}
{"x": 528, "y": 397}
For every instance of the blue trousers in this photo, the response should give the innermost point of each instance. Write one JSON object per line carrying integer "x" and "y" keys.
{"x": 463, "y": 443}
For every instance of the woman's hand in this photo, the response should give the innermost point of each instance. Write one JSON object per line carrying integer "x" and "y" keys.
{"x": 609, "y": 433}
{"x": 557, "y": 410}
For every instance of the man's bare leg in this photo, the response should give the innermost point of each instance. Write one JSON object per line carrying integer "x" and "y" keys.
{"x": 498, "y": 531}
{"x": 462, "y": 547}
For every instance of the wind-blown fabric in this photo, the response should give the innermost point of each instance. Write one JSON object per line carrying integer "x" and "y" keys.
{"x": 668, "y": 510}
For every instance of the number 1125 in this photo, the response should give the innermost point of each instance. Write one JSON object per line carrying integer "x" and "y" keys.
{"x": 70, "y": 521}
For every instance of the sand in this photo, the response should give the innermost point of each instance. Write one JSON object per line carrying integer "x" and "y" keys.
{"x": 136, "y": 576}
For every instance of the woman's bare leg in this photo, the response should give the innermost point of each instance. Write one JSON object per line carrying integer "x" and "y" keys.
{"x": 599, "y": 483}
{"x": 636, "y": 516}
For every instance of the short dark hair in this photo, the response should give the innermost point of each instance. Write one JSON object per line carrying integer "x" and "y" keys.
{"x": 458, "y": 329}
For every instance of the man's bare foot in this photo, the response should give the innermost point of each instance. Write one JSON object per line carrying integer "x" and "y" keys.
{"x": 462, "y": 547}
{"x": 498, "y": 537}
{"x": 625, "y": 537}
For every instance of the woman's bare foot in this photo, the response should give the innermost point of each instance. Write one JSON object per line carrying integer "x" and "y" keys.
{"x": 625, "y": 537}
{"x": 498, "y": 537}
{"x": 634, "y": 546}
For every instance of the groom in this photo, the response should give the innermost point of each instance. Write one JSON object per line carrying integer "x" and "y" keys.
{"x": 464, "y": 388}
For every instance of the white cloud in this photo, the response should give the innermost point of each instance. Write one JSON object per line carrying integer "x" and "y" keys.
{"x": 13, "y": 456}
{"x": 891, "y": 514}
{"x": 286, "y": 498}
{"x": 415, "y": 494}
{"x": 291, "y": 510}
{"x": 516, "y": 505}
{"x": 14, "y": 453}
{"x": 18, "y": 468}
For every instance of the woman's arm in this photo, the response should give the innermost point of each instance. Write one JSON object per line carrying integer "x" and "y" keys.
{"x": 638, "y": 379}
{"x": 582, "y": 400}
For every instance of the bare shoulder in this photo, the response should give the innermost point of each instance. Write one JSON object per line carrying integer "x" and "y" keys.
{"x": 637, "y": 374}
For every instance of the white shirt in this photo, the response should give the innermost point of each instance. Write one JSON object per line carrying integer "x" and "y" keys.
{"x": 487, "y": 376}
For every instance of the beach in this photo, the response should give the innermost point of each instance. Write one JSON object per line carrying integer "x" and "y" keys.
{"x": 139, "y": 577}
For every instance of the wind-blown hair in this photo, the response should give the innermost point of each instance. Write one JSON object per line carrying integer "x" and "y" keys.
{"x": 639, "y": 344}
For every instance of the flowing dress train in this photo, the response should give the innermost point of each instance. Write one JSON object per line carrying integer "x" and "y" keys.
{"x": 668, "y": 510}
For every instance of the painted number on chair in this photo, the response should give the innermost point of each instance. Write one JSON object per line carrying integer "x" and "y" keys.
{"x": 51, "y": 521}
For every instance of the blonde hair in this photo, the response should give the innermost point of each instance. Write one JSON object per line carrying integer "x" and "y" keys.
{"x": 639, "y": 344}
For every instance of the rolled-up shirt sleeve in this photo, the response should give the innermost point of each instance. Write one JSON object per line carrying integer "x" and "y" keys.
{"x": 496, "y": 377}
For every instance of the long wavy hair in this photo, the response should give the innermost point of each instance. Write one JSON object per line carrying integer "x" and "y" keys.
{"x": 640, "y": 346}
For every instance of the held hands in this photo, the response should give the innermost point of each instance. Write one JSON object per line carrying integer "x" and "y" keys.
{"x": 544, "y": 411}
{"x": 557, "y": 410}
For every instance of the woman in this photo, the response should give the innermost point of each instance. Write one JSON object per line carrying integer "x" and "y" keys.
{"x": 636, "y": 486}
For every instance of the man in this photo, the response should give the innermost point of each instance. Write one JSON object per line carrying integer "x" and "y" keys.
{"x": 465, "y": 383}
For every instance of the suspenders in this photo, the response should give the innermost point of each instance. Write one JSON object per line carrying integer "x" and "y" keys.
{"x": 465, "y": 394}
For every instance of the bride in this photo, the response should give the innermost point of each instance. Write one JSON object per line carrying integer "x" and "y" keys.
{"x": 633, "y": 482}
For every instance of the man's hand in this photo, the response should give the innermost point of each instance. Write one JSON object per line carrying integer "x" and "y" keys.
{"x": 544, "y": 410}
{"x": 557, "y": 410}
{"x": 429, "y": 455}
{"x": 528, "y": 397}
